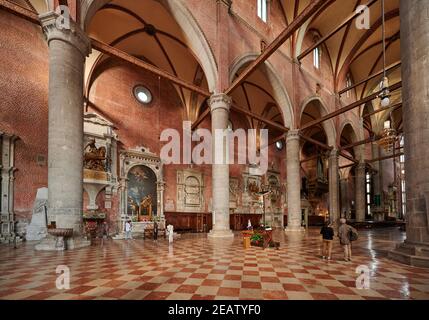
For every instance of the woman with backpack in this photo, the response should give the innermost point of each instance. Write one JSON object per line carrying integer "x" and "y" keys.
{"x": 347, "y": 234}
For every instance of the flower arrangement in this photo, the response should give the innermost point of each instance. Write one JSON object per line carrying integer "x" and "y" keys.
{"x": 257, "y": 240}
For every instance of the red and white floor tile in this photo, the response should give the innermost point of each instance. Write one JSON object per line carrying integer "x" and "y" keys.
{"x": 195, "y": 267}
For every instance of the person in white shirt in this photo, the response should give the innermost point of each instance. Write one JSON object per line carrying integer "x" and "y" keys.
{"x": 128, "y": 228}
{"x": 170, "y": 230}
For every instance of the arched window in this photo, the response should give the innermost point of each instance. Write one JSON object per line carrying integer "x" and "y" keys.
{"x": 262, "y": 10}
{"x": 349, "y": 83}
{"x": 316, "y": 57}
{"x": 368, "y": 193}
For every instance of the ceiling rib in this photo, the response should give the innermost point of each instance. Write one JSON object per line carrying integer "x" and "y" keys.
{"x": 312, "y": 8}
{"x": 391, "y": 67}
{"x": 333, "y": 32}
{"x": 349, "y": 107}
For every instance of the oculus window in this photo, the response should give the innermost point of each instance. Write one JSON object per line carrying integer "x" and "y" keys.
{"x": 142, "y": 94}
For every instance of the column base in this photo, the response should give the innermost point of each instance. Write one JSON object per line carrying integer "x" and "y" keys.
{"x": 412, "y": 254}
{"x": 220, "y": 234}
{"x": 294, "y": 229}
{"x": 51, "y": 243}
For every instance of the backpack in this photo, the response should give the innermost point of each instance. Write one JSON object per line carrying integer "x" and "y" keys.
{"x": 353, "y": 234}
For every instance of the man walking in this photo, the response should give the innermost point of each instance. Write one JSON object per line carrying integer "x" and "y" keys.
{"x": 347, "y": 234}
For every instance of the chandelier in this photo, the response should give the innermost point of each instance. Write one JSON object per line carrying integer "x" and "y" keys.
{"x": 384, "y": 84}
{"x": 388, "y": 137}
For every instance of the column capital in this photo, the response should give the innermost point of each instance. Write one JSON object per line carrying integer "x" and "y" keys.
{"x": 334, "y": 154}
{"x": 361, "y": 166}
{"x": 220, "y": 101}
{"x": 72, "y": 35}
{"x": 292, "y": 135}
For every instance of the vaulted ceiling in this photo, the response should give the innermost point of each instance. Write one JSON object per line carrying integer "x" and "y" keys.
{"x": 147, "y": 30}
{"x": 256, "y": 95}
{"x": 354, "y": 50}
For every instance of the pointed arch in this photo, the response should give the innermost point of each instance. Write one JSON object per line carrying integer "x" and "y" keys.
{"x": 280, "y": 94}
{"x": 328, "y": 125}
{"x": 192, "y": 32}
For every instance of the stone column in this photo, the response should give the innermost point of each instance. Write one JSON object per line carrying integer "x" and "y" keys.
{"x": 377, "y": 179}
{"x": 68, "y": 49}
{"x": 160, "y": 187}
{"x": 360, "y": 202}
{"x": 220, "y": 105}
{"x": 345, "y": 207}
{"x": 334, "y": 187}
{"x": 293, "y": 165}
{"x": 415, "y": 77}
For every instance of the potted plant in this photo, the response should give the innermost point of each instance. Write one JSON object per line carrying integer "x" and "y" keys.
{"x": 257, "y": 240}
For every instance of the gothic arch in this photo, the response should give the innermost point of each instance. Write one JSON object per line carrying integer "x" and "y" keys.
{"x": 280, "y": 94}
{"x": 184, "y": 18}
{"x": 357, "y": 135}
{"x": 328, "y": 125}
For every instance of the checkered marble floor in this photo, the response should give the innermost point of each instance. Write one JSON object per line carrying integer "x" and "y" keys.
{"x": 195, "y": 267}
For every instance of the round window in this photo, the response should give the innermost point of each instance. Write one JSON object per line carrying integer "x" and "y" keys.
{"x": 142, "y": 94}
{"x": 279, "y": 145}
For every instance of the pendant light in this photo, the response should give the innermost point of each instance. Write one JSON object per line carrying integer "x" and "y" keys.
{"x": 384, "y": 84}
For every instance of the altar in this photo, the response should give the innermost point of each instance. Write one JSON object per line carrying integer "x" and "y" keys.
{"x": 142, "y": 189}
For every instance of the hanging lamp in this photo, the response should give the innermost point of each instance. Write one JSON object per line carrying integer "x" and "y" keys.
{"x": 388, "y": 134}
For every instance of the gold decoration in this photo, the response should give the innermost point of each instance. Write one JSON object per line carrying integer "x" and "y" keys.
{"x": 94, "y": 157}
{"x": 388, "y": 138}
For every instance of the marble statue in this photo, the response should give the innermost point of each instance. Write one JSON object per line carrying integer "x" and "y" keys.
{"x": 37, "y": 230}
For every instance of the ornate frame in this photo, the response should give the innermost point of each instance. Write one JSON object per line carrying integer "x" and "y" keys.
{"x": 140, "y": 156}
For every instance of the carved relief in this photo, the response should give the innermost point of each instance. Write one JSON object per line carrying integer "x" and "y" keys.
{"x": 94, "y": 157}
{"x": 233, "y": 192}
{"x": 250, "y": 198}
{"x": 190, "y": 191}
{"x": 99, "y": 161}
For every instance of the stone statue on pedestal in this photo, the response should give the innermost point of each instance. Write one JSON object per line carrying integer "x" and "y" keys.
{"x": 37, "y": 230}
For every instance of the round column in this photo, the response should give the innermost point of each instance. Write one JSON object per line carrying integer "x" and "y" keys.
{"x": 68, "y": 49}
{"x": 377, "y": 178}
{"x": 360, "y": 202}
{"x": 415, "y": 79}
{"x": 345, "y": 207}
{"x": 220, "y": 105}
{"x": 293, "y": 165}
{"x": 334, "y": 187}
